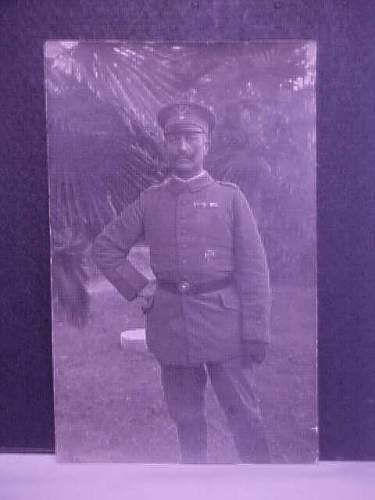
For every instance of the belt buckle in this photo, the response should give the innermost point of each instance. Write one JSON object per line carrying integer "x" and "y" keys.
{"x": 183, "y": 287}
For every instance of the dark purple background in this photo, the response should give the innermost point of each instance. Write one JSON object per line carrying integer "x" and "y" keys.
{"x": 344, "y": 31}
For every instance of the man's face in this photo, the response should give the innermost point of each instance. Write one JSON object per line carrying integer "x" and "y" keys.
{"x": 186, "y": 151}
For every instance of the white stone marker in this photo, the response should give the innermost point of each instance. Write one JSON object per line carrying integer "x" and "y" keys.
{"x": 134, "y": 340}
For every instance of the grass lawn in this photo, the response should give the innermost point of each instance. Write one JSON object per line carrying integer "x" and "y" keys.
{"x": 109, "y": 403}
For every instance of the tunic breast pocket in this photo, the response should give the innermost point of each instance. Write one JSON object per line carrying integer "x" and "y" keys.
{"x": 229, "y": 299}
{"x": 211, "y": 223}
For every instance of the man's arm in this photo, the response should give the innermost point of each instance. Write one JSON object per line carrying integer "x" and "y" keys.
{"x": 251, "y": 274}
{"x": 112, "y": 246}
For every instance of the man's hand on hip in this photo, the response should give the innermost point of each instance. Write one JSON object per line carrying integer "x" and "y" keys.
{"x": 147, "y": 296}
{"x": 253, "y": 352}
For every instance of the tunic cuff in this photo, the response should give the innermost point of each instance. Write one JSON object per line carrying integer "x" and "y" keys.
{"x": 258, "y": 331}
{"x": 126, "y": 279}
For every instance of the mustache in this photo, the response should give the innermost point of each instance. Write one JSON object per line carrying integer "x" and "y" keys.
{"x": 182, "y": 157}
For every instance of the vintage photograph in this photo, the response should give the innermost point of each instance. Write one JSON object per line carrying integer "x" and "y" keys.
{"x": 182, "y": 182}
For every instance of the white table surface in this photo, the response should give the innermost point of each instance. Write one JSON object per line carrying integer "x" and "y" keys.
{"x": 40, "y": 477}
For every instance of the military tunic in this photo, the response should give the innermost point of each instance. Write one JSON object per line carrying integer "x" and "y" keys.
{"x": 199, "y": 231}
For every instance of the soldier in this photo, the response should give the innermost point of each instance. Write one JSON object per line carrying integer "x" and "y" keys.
{"x": 209, "y": 314}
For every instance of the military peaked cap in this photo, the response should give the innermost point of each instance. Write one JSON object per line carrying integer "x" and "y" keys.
{"x": 186, "y": 116}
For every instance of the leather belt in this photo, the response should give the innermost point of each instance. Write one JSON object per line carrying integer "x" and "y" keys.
{"x": 185, "y": 287}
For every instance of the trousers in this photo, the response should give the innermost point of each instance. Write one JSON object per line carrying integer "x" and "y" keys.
{"x": 184, "y": 388}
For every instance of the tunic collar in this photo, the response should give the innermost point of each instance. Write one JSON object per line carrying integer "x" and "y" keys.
{"x": 194, "y": 184}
